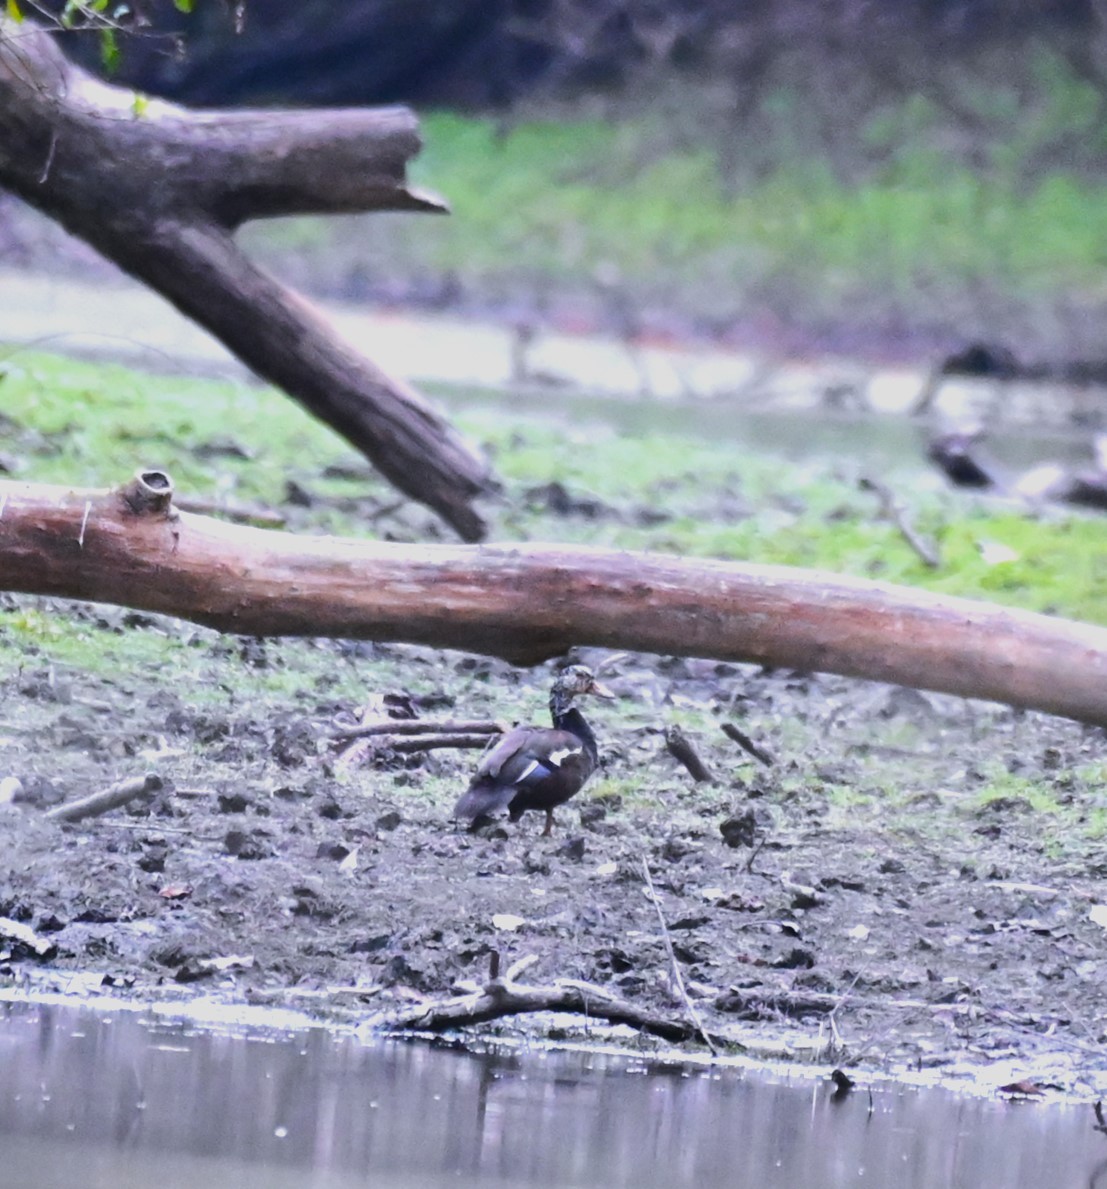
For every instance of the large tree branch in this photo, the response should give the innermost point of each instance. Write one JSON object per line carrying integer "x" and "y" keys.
{"x": 530, "y": 602}
{"x": 159, "y": 190}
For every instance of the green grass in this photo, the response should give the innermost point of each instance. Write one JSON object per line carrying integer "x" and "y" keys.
{"x": 918, "y": 233}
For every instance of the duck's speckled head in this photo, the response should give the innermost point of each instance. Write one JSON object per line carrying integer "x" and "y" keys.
{"x": 572, "y": 682}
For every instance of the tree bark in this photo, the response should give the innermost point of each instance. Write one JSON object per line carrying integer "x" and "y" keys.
{"x": 527, "y": 603}
{"x": 159, "y": 190}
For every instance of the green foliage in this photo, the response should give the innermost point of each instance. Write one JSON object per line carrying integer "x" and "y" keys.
{"x": 926, "y": 232}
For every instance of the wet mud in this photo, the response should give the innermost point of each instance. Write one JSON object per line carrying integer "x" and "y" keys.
{"x": 898, "y": 881}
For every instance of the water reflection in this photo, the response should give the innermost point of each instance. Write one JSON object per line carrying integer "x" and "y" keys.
{"x": 860, "y": 441}
{"x": 96, "y": 1099}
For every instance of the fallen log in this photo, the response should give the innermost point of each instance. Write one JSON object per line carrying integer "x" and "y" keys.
{"x": 527, "y": 603}
{"x": 160, "y": 190}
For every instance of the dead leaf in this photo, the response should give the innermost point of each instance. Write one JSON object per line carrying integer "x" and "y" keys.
{"x": 1024, "y": 1089}
{"x": 204, "y": 967}
{"x": 175, "y": 891}
{"x": 507, "y": 922}
{"x": 993, "y": 553}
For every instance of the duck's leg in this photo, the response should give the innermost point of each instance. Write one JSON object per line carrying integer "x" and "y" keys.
{"x": 549, "y": 824}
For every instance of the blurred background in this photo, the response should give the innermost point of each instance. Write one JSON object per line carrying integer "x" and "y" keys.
{"x": 888, "y": 178}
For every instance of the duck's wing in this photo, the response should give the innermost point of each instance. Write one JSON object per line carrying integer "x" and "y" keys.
{"x": 523, "y": 759}
{"x": 528, "y": 755}
{"x": 513, "y": 744}
{"x": 480, "y": 800}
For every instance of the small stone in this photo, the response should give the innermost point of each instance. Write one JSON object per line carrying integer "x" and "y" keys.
{"x": 153, "y": 859}
{"x": 740, "y": 830}
{"x": 592, "y": 814}
{"x": 572, "y": 849}
{"x": 797, "y": 958}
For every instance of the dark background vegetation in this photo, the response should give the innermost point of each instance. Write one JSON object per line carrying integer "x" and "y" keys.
{"x": 487, "y": 54}
{"x": 484, "y": 53}
{"x": 831, "y": 173}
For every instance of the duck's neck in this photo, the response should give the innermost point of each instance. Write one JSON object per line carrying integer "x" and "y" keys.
{"x": 566, "y": 717}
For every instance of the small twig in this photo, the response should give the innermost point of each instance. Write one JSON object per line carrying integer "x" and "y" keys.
{"x": 747, "y": 744}
{"x": 680, "y": 748}
{"x": 384, "y": 510}
{"x": 678, "y": 978}
{"x": 107, "y": 799}
{"x": 401, "y": 726}
{"x": 234, "y": 512}
{"x": 891, "y": 509}
{"x": 1100, "y": 1121}
{"x": 517, "y": 967}
{"x": 756, "y": 851}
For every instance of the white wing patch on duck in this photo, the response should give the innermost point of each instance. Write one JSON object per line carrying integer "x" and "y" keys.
{"x": 526, "y": 772}
{"x": 555, "y": 757}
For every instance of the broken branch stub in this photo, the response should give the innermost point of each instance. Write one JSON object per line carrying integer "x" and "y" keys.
{"x": 159, "y": 190}
{"x": 528, "y": 602}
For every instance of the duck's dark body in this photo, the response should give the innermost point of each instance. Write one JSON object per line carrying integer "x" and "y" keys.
{"x": 537, "y": 767}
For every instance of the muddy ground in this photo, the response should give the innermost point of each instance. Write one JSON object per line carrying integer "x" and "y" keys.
{"x": 909, "y": 884}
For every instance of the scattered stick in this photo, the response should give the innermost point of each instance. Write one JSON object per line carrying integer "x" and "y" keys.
{"x": 678, "y": 978}
{"x": 400, "y": 726}
{"x": 747, "y": 744}
{"x": 1100, "y": 1121}
{"x": 893, "y": 510}
{"x": 364, "y": 748}
{"x": 765, "y": 1003}
{"x": 237, "y": 513}
{"x": 503, "y": 997}
{"x": 23, "y": 937}
{"x": 412, "y": 743}
{"x": 756, "y": 851}
{"x": 758, "y": 1004}
{"x": 680, "y": 748}
{"x": 107, "y": 799}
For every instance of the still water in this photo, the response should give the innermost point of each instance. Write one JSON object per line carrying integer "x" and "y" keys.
{"x": 92, "y": 1098}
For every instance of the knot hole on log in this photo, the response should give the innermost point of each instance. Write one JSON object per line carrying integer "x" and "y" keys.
{"x": 149, "y": 493}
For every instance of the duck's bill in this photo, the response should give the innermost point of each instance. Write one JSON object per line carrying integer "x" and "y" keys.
{"x": 600, "y": 690}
